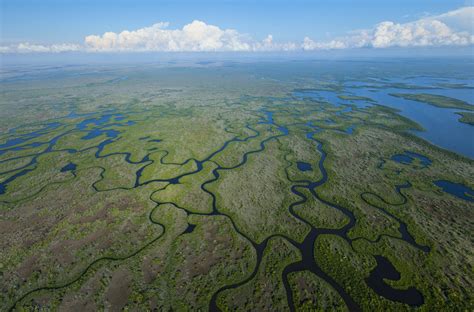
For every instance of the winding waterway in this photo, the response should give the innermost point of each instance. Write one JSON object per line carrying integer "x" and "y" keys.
{"x": 308, "y": 262}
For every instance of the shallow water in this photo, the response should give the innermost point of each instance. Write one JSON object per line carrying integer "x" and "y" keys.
{"x": 409, "y": 157}
{"x": 442, "y": 126}
{"x": 456, "y": 189}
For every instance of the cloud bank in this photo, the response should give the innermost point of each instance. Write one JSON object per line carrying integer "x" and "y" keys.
{"x": 196, "y": 36}
{"x": 27, "y": 47}
{"x": 454, "y": 28}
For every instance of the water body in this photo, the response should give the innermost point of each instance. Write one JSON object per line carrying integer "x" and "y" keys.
{"x": 4, "y": 184}
{"x": 385, "y": 270}
{"x": 23, "y": 147}
{"x": 439, "y": 86}
{"x": 350, "y": 130}
{"x": 110, "y": 133}
{"x": 29, "y": 136}
{"x": 268, "y": 120}
{"x": 456, "y": 189}
{"x": 94, "y": 121}
{"x": 303, "y": 166}
{"x": 69, "y": 167}
{"x": 306, "y": 247}
{"x": 190, "y": 228}
{"x": 466, "y": 95}
{"x": 408, "y": 158}
{"x": 11, "y": 145}
{"x": 402, "y": 159}
{"x": 329, "y": 121}
{"x": 347, "y": 109}
{"x": 441, "y": 125}
{"x": 331, "y": 97}
{"x": 119, "y": 117}
{"x": 319, "y": 95}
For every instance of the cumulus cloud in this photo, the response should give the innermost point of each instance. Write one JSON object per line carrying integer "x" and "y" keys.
{"x": 268, "y": 44}
{"x": 196, "y": 36}
{"x": 454, "y": 28}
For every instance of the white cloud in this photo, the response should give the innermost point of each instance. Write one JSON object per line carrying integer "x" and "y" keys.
{"x": 461, "y": 19}
{"x": 26, "y": 47}
{"x": 454, "y": 28}
{"x": 309, "y": 44}
{"x": 196, "y": 36}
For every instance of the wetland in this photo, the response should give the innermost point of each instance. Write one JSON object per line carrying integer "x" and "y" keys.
{"x": 243, "y": 186}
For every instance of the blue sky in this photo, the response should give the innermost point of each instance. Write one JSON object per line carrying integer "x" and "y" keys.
{"x": 49, "y": 22}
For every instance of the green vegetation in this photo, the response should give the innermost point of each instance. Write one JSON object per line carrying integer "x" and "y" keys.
{"x": 265, "y": 292}
{"x": 313, "y": 294}
{"x": 466, "y": 117}
{"x": 435, "y": 100}
{"x": 263, "y": 210}
{"x": 182, "y": 189}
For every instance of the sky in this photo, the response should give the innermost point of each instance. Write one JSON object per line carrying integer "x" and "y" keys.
{"x": 54, "y": 26}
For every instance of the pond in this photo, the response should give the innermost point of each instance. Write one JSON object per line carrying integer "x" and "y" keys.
{"x": 303, "y": 166}
{"x": 456, "y": 189}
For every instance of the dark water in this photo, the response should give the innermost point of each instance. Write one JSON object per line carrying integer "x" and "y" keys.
{"x": 4, "y": 184}
{"x": 408, "y": 158}
{"x": 303, "y": 166}
{"x": 99, "y": 123}
{"x": 385, "y": 270}
{"x": 69, "y": 167}
{"x": 306, "y": 247}
{"x": 190, "y": 228}
{"x": 456, "y": 189}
